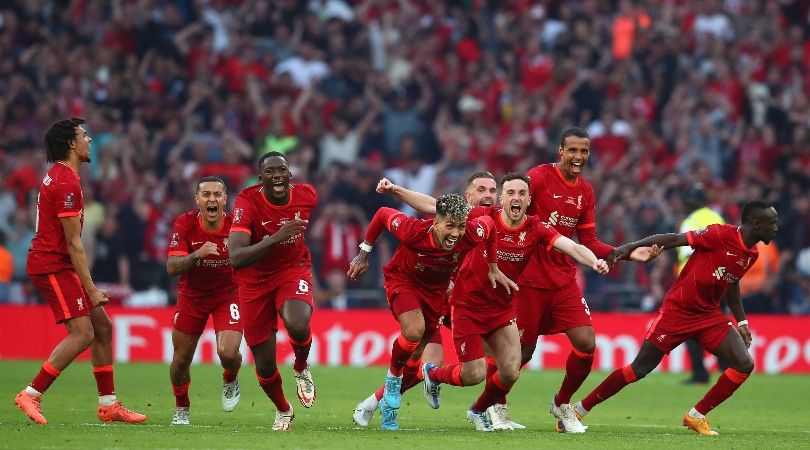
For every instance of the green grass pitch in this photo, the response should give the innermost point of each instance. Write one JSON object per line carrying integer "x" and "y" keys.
{"x": 766, "y": 412}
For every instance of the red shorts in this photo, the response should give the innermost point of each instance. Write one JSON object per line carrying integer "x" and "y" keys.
{"x": 260, "y": 304}
{"x": 549, "y": 311}
{"x": 64, "y": 293}
{"x": 437, "y": 336}
{"x": 670, "y": 330}
{"x": 192, "y": 313}
{"x": 403, "y": 298}
{"x": 471, "y": 327}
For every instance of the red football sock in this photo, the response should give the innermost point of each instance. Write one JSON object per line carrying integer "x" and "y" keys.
{"x": 272, "y": 387}
{"x": 492, "y": 369}
{"x": 726, "y": 384}
{"x": 494, "y": 390}
{"x": 614, "y": 383}
{"x": 229, "y": 376}
{"x": 301, "y": 350}
{"x": 410, "y": 374}
{"x": 47, "y": 375}
{"x": 448, "y": 374}
{"x": 181, "y": 395}
{"x": 401, "y": 352}
{"x": 104, "y": 380}
{"x": 577, "y": 368}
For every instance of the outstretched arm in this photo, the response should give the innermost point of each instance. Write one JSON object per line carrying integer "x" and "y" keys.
{"x": 664, "y": 241}
{"x": 581, "y": 254}
{"x": 423, "y": 203}
{"x": 380, "y": 221}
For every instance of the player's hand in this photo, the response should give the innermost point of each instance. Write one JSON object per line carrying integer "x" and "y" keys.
{"x": 745, "y": 333}
{"x": 618, "y": 253}
{"x": 601, "y": 266}
{"x": 497, "y": 277}
{"x": 385, "y": 186}
{"x": 209, "y": 248}
{"x": 98, "y": 297}
{"x": 358, "y": 267}
{"x": 290, "y": 229}
{"x": 644, "y": 254}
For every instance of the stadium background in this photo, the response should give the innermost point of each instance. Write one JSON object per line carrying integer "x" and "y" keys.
{"x": 673, "y": 93}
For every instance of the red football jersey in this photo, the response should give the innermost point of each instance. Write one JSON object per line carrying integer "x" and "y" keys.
{"x": 418, "y": 261}
{"x": 210, "y": 276}
{"x": 255, "y": 215}
{"x": 720, "y": 260}
{"x": 515, "y": 247}
{"x": 565, "y": 206}
{"x": 60, "y": 195}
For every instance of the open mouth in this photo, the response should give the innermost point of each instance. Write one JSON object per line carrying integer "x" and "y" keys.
{"x": 485, "y": 202}
{"x": 515, "y": 209}
{"x": 576, "y": 166}
{"x": 211, "y": 210}
{"x": 278, "y": 187}
{"x": 450, "y": 241}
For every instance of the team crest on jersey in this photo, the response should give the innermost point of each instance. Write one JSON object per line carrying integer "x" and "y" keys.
{"x": 455, "y": 259}
{"x": 480, "y": 230}
{"x": 395, "y": 223}
{"x": 237, "y": 214}
{"x": 175, "y": 240}
{"x": 225, "y": 244}
{"x": 522, "y": 238}
{"x": 80, "y": 303}
{"x": 70, "y": 200}
{"x": 463, "y": 348}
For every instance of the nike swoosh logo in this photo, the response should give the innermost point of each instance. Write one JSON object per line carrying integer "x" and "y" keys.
{"x": 557, "y": 196}
{"x": 265, "y": 222}
{"x": 195, "y": 243}
{"x": 730, "y": 254}
{"x": 233, "y": 322}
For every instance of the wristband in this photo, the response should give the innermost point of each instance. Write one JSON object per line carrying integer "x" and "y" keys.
{"x": 742, "y": 322}
{"x": 365, "y": 247}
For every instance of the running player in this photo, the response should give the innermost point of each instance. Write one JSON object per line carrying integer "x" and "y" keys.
{"x": 417, "y": 277}
{"x": 723, "y": 254}
{"x": 198, "y": 253}
{"x": 271, "y": 266}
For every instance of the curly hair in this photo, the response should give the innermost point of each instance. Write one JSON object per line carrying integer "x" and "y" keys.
{"x": 452, "y": 206}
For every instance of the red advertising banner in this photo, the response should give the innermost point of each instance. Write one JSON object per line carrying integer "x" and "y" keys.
{"x": 363, "y": 337}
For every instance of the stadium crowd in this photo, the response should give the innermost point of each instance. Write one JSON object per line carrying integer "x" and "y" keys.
{"x": 673, "y": 94}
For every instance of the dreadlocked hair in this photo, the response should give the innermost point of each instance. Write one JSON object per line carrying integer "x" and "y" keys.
{"x": 453, "y": 206}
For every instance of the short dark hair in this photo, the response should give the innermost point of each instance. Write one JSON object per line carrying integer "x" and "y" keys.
{"x": 515, "y": 176}
{"x": 270, "y": 155}
{"x": 452, "y": 205}
{"x": 750, "y": 209}
{"x": 58, "y": 137}
{"x": 573, "y": 131}
{"x": 211, "y": 179}
{"x": 480, "y": 174}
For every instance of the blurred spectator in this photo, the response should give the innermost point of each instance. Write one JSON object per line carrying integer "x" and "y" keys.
{"x": 6, "y": 269}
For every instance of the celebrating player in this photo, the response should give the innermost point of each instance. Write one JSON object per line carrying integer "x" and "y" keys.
{"x": 549, "y": 300}
{"x": 481, "y": 315}
{"x": 198, "y": 252}
{"x": 271, "y": 266}
{"x": 481, "y": 190}
{"x": 57, "y": 265}
{"x": 417, "y": 277}
{"x": 723, "y": 254}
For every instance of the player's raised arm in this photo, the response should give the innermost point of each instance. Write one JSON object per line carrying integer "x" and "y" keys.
{"x": 423, "y": 203}
{"x": 581, "y": 254}
{"x": 734, "y": 300}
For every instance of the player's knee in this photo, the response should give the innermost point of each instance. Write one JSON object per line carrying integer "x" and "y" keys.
{"x": 587, "y": 346}
{"x": 84, "y": 336}
{"x": 413, "y": 331}
{"x": 102, "y": 330}
{"x": 509, "y": 375}
{"x": 746, "y": 365}
{"x": 640, "y": 369}
{"x": 230, "y": 355}
{"x": 298, "y": 331}
{"x": 181, "y": 359}
{"x": 472, "y": 374}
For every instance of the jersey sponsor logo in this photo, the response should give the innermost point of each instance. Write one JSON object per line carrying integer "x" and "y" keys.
{"x": 553, "y": 217}
{"x": 719, "y": 272}
{"x": 722, "y": 274}
{"x": 237, "y": 214}
{"x": 522, "y": 238}
{"x": 510, "y": 256}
